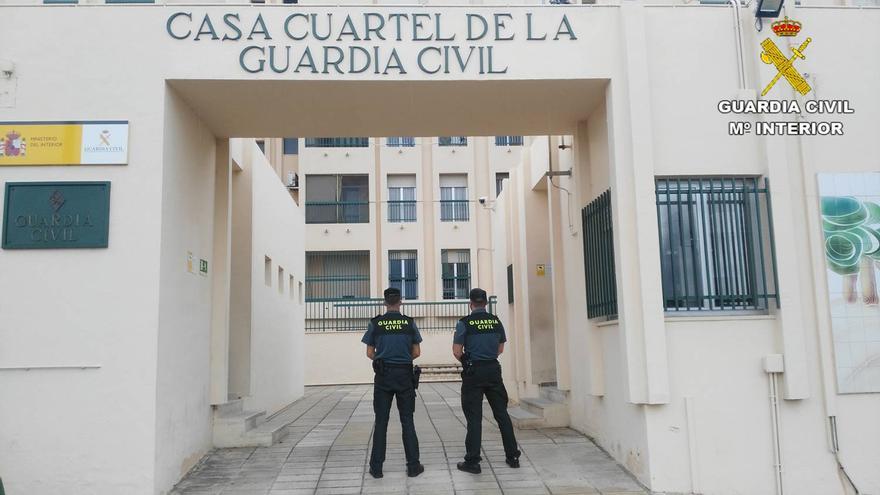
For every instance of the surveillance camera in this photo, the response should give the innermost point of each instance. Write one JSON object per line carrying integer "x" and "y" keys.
{"x": 482, "y": 200}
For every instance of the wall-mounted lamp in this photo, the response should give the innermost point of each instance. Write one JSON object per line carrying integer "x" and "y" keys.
{"x": 7, "y": 69}
{"x": 769, "y": 8}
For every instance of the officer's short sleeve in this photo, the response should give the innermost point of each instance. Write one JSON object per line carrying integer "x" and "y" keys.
{"x": 503, "y": 334}
{"x": 368, "y": 335}
{"x": 459, "y": 333}
{"x": 417, "y": 336}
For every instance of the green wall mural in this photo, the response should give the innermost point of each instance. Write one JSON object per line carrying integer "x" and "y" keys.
{"x": 850, "y": 208}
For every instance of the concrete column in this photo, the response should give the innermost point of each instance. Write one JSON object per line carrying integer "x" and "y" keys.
{"x": 483, "y": 216}
{"x": 221, "y": 259}
{"x": 380, "y": 283}
{"x": 643, "y": 333}
{"x": 558, "y": 219}
{"x": 425, "y": 194}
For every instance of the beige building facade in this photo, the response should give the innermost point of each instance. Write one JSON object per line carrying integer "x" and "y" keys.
{"x": 142, "y": 355}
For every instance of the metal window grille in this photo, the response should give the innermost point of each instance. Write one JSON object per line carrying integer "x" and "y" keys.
{"x": 508, "y": 140}
{"x": 338, "y": 142}
{"x": 509, "y": 284}
{"x": 341, "y": 315}
{"x": 456, "y": 272}
{"x": 452, "y": 141}
{"x": 401, "y": 204}
{"x": 716, "y": 243}
{"x": 598, "y": 237}
{"x": 290, "y": 146}
{"x": 454, "y": 205}
{"x": 332, "y": 275}
{"x": 401, "y": 141}
{"x": 403, "y": 273}
{"x": 500, "y": 177}
{"x": 337, "y": 199}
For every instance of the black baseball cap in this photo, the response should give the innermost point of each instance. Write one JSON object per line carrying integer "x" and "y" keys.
{"x": 478, "y": 296}
{"x": 392, "y": 295}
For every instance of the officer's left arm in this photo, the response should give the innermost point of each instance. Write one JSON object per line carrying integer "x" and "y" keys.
{"x": 458, "y": 341}
{"x": 368, "y": 339}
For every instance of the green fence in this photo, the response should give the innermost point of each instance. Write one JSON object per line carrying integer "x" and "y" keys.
{"x": 351, "y": 315}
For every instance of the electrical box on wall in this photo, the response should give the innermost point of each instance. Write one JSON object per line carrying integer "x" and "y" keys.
{"x": 774, "y": 363}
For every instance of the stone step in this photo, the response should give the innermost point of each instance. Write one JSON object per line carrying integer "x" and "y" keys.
{"x": 265, "y": 435}
{"x": 440, "y": 377}
{"x": 555, "y": 414}
{"x": 234, "y": 406}
{"x": 551, "y": 393}
{"x": 524, "y": 420}
{"x": 230, "y": 427}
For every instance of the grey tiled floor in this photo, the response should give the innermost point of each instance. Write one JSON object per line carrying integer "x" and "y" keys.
{"x": 327, "y": 450}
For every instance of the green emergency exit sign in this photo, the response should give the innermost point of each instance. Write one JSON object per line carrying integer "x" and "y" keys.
{"x": 56, "y": 215}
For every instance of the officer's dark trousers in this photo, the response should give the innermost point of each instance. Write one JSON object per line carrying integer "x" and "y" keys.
{"x": 395, "y": 382}
{"x": 485, "y": 379}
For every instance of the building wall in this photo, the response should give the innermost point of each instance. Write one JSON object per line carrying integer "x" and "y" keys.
{"x": 183, "y": 383}
{"x": 277, "y": 346}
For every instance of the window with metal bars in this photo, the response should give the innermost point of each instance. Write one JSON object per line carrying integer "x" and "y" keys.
{"x": 403, "y": 273}
{"x": 401, "y": 204}
{"x": 337, "y": 275}
{"x": 456, "y": 272}
{"x": 452, "y": 141}
{"x": 600, "y": 277}
{"x": 716, "y": 243}
{"x": 337, "y": 199}
{"x": 400, "y": 141}
{"x": 508, "y": 140}
{"x": 290, "y": 146}
{"x": 454, "y": 205}
{"x": 338, "y": 142}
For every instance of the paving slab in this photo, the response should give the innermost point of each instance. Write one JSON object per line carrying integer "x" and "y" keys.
{"x": 330, "y": 435}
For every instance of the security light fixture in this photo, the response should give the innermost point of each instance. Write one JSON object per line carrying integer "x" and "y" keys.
{"x": 769, "y": 8}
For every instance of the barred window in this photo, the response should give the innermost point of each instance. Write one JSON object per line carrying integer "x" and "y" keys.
{"x": 456, "y": 271}
{"x": 508, "y": 140}
{"x": 400, "y": 141}
{"x": 403, "y": 273}
{"x": 290, "y": 146}
{"x": 337, "y": 199}
{"x": 401, "y": 198}
{"x": 337, "y": 275}
{"x": 454, "y": 205}
{"x": 500, "y": 177}
{"x": 600, "y": 276}
{"x": 716, "y": 243}
{"x": 337, "y": 142}
{"x": 452, "y": 141}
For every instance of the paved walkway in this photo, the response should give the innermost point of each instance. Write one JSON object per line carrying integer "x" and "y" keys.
{"x": 327, "y": 450}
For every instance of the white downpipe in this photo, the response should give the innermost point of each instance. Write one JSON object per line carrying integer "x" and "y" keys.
{"x": 777, "y": 433}
{"x": 740, "y": 50}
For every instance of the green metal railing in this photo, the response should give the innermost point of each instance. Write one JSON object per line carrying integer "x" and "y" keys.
{"x": 401, "y": 141}
{"x": 508, "y": 140}
{"x": 337, "y": 212}
{"x": 347, "y": 315}
{"x": 716, "y": 243}
{"x": 598, "y": 237}
{"x": 338, "y": 142}
{"x": 454, "y": 210}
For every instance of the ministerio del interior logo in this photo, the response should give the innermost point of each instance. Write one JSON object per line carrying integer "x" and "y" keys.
{"x": 785, "y": 66}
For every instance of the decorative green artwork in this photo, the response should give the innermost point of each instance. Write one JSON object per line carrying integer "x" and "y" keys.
{"x": 850, "y": 206}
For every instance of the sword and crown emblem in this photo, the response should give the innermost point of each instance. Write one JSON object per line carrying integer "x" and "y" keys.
{"x": 771, "y": 54}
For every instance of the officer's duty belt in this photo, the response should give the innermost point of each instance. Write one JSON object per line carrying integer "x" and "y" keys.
{"x": 485, "y": 362}
{"x": 398, "y": 365}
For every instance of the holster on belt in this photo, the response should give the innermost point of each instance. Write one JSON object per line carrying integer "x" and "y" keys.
{"x": 417, "y": 372}
{"x": 379, "y": 366}
{"x": 467, "y": 364}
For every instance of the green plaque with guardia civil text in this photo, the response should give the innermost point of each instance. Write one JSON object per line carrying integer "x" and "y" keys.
{"x": 56, "y": 215}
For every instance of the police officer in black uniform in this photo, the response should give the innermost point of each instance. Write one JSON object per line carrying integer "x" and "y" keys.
{"x": 479, "y": 339}
{"x": 392, "y": 343}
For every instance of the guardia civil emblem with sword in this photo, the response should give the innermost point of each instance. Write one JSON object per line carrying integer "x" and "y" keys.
{"x": 771, "y": 54}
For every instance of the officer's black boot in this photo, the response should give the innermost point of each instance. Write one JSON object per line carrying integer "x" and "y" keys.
{"x": 469, "y": 467}
{"x": 376, "y": 472}
{"x": 413, "y": 471}
{"x": 512, "y": 462}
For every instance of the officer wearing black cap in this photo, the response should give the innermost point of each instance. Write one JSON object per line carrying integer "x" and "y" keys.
{"x": 479, "y": 339}
{"x": 392, "y": 343}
